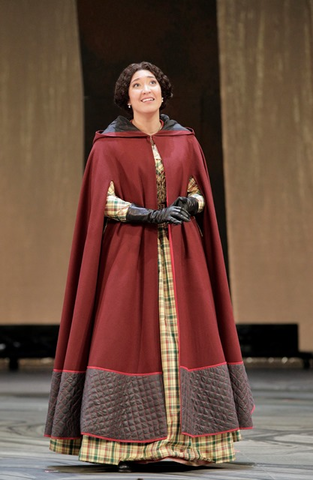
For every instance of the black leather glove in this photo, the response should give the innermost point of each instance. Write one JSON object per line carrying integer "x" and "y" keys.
{"x": 190, "y": 204}
{"x": 173, "y": 214}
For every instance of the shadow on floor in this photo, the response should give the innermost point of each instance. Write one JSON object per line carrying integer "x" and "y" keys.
{"x": 153, "y": 467}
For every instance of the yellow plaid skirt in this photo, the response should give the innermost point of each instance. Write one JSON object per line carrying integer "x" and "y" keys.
{"x": 194, "y": 451}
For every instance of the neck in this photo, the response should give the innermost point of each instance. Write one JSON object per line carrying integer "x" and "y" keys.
{"x": 147, "y": 124}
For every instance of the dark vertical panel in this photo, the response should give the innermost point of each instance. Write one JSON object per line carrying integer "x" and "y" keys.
{"x": 181, "y": 38}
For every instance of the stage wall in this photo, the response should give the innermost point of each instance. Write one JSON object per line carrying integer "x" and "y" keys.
{"x": 266, "y": 59}
{"x": 41, "y": 150}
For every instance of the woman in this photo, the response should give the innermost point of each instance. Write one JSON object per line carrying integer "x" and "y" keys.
{"x": 148, "y": 364}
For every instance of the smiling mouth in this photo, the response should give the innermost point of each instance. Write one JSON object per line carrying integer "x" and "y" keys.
{"x": 147, "y": 100}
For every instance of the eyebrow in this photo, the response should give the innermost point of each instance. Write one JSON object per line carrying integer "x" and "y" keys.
{"x": 148, "y": 76}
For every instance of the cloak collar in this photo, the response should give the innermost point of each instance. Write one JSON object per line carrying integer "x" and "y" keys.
{"x": 122, "y": 127}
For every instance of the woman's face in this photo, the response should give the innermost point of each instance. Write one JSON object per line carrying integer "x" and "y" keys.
{"x": 145, "y": 95}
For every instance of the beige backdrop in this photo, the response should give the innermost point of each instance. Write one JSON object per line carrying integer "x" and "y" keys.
{"x": 266, "y": 57}
{"x": 40, "y": 154}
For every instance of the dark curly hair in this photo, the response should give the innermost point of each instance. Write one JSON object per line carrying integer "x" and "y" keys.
{"x": 121, "y": 97}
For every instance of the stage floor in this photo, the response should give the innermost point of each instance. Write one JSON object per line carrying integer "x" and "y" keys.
{"x": 279, "y": 448}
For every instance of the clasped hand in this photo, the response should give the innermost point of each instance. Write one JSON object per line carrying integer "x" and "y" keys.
{"x": 180, "y": 211}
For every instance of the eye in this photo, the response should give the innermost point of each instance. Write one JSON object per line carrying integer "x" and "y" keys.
{"x": 153, "y": 82}
{"x": 136, "y": 85}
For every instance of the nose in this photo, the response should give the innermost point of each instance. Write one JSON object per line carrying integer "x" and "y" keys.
{"x": 146, "y": 88}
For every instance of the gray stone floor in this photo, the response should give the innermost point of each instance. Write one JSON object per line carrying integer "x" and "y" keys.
{"x": 279, "y": 448}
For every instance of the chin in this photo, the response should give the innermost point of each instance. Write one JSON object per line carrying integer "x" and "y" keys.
{"x": 149, "y": 110}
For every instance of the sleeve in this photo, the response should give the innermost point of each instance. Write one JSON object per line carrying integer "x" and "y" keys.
{"x": 193, "y": 191}
{"x": 115, "y": 208}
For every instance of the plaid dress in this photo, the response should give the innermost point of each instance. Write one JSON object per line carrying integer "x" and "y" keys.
{"x": 181, "y": 448}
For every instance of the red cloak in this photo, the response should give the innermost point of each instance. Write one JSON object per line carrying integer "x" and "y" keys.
{"x": 107, "y": 380}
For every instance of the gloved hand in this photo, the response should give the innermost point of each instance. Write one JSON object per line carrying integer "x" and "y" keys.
{"x": 190, "y": 204}
{"x": 173, "y": 214}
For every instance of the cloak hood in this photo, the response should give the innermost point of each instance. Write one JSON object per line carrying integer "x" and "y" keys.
{"x": 122, "y": 124}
